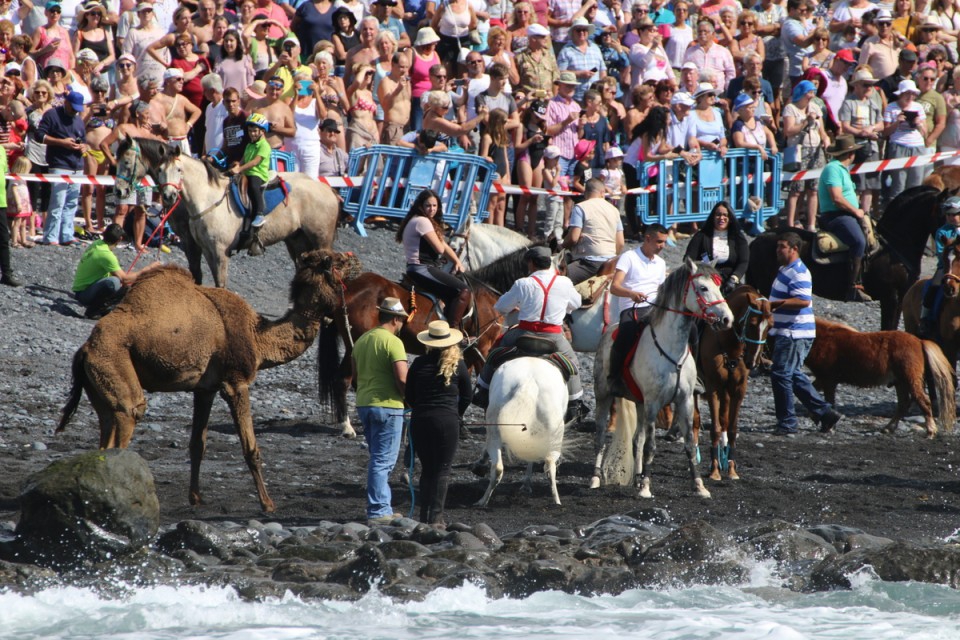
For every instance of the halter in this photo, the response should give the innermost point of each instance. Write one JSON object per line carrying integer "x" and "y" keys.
{"x": 701, "y": 301}
{"x": 751, "y": 310}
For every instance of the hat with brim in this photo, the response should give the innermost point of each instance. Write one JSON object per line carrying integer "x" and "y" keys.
{"x": 931, "y": 25}
{"x": 567, "y": 77}
{"x": 582, "y": 23}
{"x": 551, "y": 152}
{"x": 864, "y": 77}
{"x": 704, "y": 88}
{"x": 683, "y": 98}
{"x": 344, "y": 11}
{"x": 330, "y": 125}
{"x": 439, "y": 335}
{"x": 257, "y": 89}
{"x": 87, "y": 55}
{"x": 583, "y": 148}
{"x": 539, "y": 253}
{"x": 393, "y": 307}
{"x": 426, "y": 36}
{"x": 54, "y": 63}
{"x": 883, "y": 16}
{"x": 75, "y": 99}
{"x": 906, "y": 86}
{"x": 803, "y": 88}
{"x": 743, "y": 100}
{"x": 843, "y": 145}
{"x": 690, "y": 65}
{"x": 612, "y": 153}
{"x": 144, "y": 6}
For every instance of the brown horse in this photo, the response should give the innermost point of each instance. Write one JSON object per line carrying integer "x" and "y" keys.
{"x": 358, "y": 314}
{"x": 841, "y": 354}
{"x": 726, "y": 358}
{"x": 948, "y": 324}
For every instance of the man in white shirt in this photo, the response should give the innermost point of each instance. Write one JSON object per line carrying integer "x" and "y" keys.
{"x": 214, "y": 114}
{"x": 636, "y": 281}
{"x": 543, "y": 299}
{"x": 678, "y": 128}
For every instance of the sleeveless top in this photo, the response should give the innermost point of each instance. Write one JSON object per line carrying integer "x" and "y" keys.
{"x": 307, "y": 123}
{"x": 63, "y": 50}
{"x": 99, "y": 47}
{"x": 420, "y": 74}
{"x": 454, "y": 25}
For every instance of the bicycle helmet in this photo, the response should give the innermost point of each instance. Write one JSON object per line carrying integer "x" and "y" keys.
{"x": 951, "y": 205}
{"x": 258, "y": 120}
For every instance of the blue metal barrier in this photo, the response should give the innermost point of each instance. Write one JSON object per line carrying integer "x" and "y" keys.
{"x": 394, "y": 176}
{"x": 688, "y": 194}
{"x": 289, "y": 160}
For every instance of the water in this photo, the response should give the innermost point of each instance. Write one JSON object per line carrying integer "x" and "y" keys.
{"x": 874, "y": 610}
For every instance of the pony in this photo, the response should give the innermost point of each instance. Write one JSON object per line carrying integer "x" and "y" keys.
{"x": 528, "y": 398}
{"x": 948, "y": 324}
{"x": 663, "y": 370}
{"x": 357, "y": 314}
{"x": 306, "y": 220}
{"x": 841, "y": 354}
{"x": 725, "y": 361}
{"x": 903, "y": 231}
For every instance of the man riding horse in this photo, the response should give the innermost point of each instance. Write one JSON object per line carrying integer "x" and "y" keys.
{"x": 595, "y": 233}
{"x": 543, "y": 299}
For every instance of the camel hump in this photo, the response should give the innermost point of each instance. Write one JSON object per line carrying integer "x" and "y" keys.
{"x": 171, "y": 275}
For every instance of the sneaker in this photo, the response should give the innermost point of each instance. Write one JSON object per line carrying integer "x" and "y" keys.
{"x": 258, "y": 222}
{"x": 381, "y": 521}
{"x": 786, "y": 433}
{"x": 830, "y": 420}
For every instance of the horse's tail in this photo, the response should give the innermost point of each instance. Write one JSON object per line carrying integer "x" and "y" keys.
{"x": 76, "y": 388}
{"x": 328, "y": 370}
{"x": 619, "y": 461}
{"x": 941, "y": 374}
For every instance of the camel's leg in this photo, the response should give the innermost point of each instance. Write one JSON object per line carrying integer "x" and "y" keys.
{"x": 527, "y": 485}
{"x": 202, "y": 403}
{"x": 496, "y": 465}
{"x": 237, "y": 396}
{"x": 117, "y": 398}
{"x": 682, "y": 419}
{"x": 550, "y": 466}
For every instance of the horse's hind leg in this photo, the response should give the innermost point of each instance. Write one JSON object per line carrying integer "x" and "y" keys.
{"x": 683, "y": 421}
{"x": 604, "y": 433}
{"x": 736, "y": 401}
{"x": 496, "y": 466}
{"x": 716, "y": 429}
{"x": 550, "y": 466}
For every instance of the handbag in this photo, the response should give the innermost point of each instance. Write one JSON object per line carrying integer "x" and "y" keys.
{"x": 793, "y": 158}
{"x": 475, "y": 37}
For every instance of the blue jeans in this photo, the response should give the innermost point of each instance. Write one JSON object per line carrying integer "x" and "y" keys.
{"x": 63, "y": 207}
{"x": 382, "y": 429}
{"x": 787, "y": 378}
{"x": 847, "y": 228}
{"x": 99, "y": 291}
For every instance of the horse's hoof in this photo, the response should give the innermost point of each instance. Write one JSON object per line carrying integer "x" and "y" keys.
{"x": 594, "y": 482}
{"x": 733, "y": 475}
{"x": 348, "y": 433}
{"x": 715, "y": 475}
{"x": 645, "y": 493}
{"x": 703, "y": 493}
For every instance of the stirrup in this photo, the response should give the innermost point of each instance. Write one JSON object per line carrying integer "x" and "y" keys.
{"x": 857, "y": 294}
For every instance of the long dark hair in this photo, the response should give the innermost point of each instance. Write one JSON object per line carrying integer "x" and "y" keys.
{"x": 654, "y": 125}
{"x": 238, "y": 54}
{"x": 709, "y": 225}
{"x": 416, "y": 209}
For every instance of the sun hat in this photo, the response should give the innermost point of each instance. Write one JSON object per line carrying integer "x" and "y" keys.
{"x": 172, "y": 73}
{"x": 567, "y": 77}
{"x": 330, "y": 125}
{"x": 256, "y": 89}
{"x": 906, "y": 86}
{"x": 803, "y": 88}
{"x": 883, "y": 16}
{"x": 426, "y": 36}
{"x": 863, "y": 75}
{"x": 844, "y": 144}
{"x": 127, "y": 57}
{"x": 537, "y": 30}
{"x": 742, "y": 100}
{"x": 703, "y": 89}
{"x": 87, "y": 55}
{"x": 684, "y": 98}
{"x": 931, "y": 25}
{"x": 144, "y": 6}
{"x": 583, "y": 148}
{"x": 439, "y": 334}
{"x": 393, "y": 307}
{"x": 55, "y": 63}
{"x": 344, "y": 11}
{"x": 11, "y": 67}
{"x": 552, "y": 151}
{"x": 613, "y": 152}
{"x": 582, "y": 23}
{"x": 76, "y": 100}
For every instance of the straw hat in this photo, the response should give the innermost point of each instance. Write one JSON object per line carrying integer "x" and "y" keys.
{"x": 393, "y": 307}
{"x": 439, "y": 335}
{"x": 703, "y": 89}
{"x": 864, "y": 76}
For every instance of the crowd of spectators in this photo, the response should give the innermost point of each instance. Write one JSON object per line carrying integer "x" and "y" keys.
{"x": 554, "y": 92}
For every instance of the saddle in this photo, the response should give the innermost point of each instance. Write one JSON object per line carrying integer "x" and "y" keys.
{"x": 592, "y": 289}
{"x": 532, "y": 347}
{"x": 829, "y": 249}
{"x": 628, "y": 380}
{"x": 275, "y": 191}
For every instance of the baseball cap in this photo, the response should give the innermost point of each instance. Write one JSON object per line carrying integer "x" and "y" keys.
{"x": 846, "y": 55}
{"x": 537, "y": 30}
{"x": 169, "y": 74}
{"x": 330, "y": 125}
{"x": 684, "y": 98}
{"x": 552, "y": 151}
{"x": 76, "y": 100}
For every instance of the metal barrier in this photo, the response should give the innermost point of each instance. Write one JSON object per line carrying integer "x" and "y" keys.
{"x": 688, "y": 194}
{"x": 394, "y": 176}
{"x": 289, "y": 160}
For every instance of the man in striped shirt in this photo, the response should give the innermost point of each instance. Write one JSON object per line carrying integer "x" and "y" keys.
{"x": 791, "y": 337}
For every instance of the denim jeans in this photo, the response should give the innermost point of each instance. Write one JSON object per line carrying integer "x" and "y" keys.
{"x": 63, "y": 207}
{"x": 99, "y": 292}
{"x": 382, "y": 429}
{"x": 787, "y": 378}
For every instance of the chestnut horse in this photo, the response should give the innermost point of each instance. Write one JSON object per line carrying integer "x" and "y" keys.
{"x": 948, "y": 324}
{"x": 358, "y": 314}
{"x": 841, "y": 354}
{"x": 726, "y": 358}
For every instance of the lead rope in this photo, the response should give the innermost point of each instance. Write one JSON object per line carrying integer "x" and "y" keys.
{"x": 346, "y": 311}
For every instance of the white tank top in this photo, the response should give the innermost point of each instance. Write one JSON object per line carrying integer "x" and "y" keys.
{"x": 455, "y": 25}
{"x": 307, "y": 123}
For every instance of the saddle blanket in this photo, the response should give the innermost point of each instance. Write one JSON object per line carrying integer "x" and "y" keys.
{"x": 272, "y": 197}
{"x": 628, "y": 380}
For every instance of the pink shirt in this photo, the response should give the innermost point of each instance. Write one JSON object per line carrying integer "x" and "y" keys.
{"x": 717, "y": 58}
{"x": 557, "y": 111}
{"x": 420, "y": 74}
{"x": 274, "y": 12}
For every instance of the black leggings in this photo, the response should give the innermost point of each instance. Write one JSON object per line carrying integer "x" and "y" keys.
{"x": 255, "y": 193}
{"x": 435, "y": 439}
{"x": 434, "y": 280}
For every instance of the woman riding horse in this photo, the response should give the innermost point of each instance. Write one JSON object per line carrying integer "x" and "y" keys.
{"x": 722, "y": 240}
{"x": 423, "y": 245}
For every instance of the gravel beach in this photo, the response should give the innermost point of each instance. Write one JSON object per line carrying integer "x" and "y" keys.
{"x": 901, "y": 486}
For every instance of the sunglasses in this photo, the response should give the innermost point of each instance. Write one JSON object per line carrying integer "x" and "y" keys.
{"x": 125, "y": 65}
{"x": 443, "y": 77}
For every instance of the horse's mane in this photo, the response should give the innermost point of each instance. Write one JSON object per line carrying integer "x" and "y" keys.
{"x": 156, "y": 152}
{"x": 507, "y": 235}
{"x": 904, "y": 209}
{"x": 670, "y": 293}
{"x": 502, "y": 272}
{"x": 835, "y": 324}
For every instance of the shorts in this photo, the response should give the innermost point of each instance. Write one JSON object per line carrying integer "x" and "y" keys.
{"x": 813, "y": 158}
{"x": 867, "y": 153}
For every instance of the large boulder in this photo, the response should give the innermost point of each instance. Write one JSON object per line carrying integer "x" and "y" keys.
{"x": 895, "y": 562}
{"x": 88, "y": 508}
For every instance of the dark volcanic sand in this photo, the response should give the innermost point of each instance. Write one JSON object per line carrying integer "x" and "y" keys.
{"x": 900, "y": 486}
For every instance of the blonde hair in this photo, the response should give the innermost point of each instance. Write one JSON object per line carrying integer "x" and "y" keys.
{"x": 21, "y": 165}
{"x": 447, "y": 363}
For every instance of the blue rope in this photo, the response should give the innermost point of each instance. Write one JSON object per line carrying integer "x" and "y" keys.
{"x": 413, "y": 499}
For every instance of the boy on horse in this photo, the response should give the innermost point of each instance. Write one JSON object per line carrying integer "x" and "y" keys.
{"x": 256, "y": 166}
{"x": 543, "y": 299}
{"x": 945, "y": 238}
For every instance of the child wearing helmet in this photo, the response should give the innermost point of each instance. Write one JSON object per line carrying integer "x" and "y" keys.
{"x": 255, "y": 165}
{"x": 945, "y": 238}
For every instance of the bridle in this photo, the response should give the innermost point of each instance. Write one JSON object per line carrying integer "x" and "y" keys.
{"x": 744, "y": 323}
{"x": 703, "y": 304}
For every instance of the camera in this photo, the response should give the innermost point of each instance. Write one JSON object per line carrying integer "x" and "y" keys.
{"x": 101, "y": 111}
{"x": 460, "y": 82}
{"x": 288, "y": 47}
{"x": 911, "y": 117}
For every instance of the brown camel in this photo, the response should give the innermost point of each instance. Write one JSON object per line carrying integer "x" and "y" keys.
{"x": 170, "y": 334}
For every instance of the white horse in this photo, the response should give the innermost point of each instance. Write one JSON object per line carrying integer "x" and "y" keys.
{"x": 663, "y": 370}
{"x": 478, "y": 245}
{"x": 308, "y": 220}
{"x": 528, "y": 398}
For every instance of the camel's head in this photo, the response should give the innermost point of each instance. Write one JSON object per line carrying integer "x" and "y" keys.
{"x": 319, "y": 278}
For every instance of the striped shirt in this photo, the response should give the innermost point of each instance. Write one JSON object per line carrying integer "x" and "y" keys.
{"x": 793, "y": 281}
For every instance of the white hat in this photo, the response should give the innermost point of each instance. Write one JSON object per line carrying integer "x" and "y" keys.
{"x": 393, "y": 307}
{"x": 12, "y": 66}
{"x": 439, "y": 335}
{"x": 291, "y": 38}
{"x": 426, "y": 36}
{"x": 583, "y": 23}
{"x": 684, "y": 98}
{"x": 613, "y": 152}
{"x": 907, "y": 86}
{"x": 552, "y": 151}
{"x": 171, "y": 73}
{"x": 690, "y": 65}
{"x": 883, "y": 16}
{"x": 87, "y": 55}
{"x": 537, "y": 30}
{"x": 703, "y": 89}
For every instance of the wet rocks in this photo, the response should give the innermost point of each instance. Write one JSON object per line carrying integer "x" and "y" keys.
{"x": 897, "y": 561}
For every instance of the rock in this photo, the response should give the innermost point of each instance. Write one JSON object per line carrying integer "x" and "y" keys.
{"x": 604, "y": 580}
{"x": 895, "y": 562}
{"x": 692, "y": 542}
{"x": 487, "y": 536}
{"x": 790, "y": 546}
{"x": 397, "y": 549}
{"x": 695, "y": 553}
{"x": 846, "y": 539}
{"x": 465, "y": 540}
{"x": 204, "y": 538}
{"x": 302, "y": 571}
{"x": 370, "y": 567}
{"x": 89, "y": 507}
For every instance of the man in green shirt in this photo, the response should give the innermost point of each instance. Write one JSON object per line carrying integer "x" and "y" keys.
{"x": 99, "y": 276}
{"x": 256, "y": 166}
{"x": 380, "y": 372}
{"x": 840, "y": 211}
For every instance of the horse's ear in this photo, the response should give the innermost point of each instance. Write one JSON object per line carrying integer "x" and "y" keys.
{"x": 691, "y": 265}
{"x": 175, "y": 150}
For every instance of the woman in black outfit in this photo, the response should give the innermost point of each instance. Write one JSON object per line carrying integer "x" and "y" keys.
{"x": 438, "y": 391}
{"x": 722, "y": 239}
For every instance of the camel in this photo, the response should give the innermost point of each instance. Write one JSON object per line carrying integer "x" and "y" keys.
{"x": 169, "y": 334}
